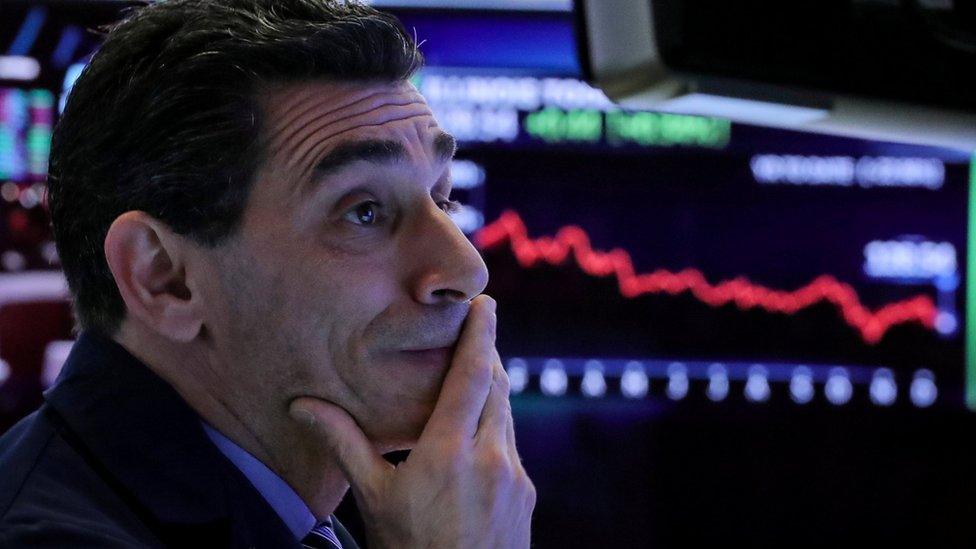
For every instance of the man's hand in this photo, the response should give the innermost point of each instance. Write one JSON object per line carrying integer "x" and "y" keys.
{"x": 463, "y": 484}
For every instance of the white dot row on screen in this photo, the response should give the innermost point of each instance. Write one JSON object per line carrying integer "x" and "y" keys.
{"x": 802, "y": 382}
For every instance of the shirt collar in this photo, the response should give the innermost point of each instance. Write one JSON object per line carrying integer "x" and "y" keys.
{"x": 279, "y": 495}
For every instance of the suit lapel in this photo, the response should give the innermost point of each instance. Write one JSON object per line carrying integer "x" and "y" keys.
{"x": 344, "y": 537}
{"x": 150, "y": 444}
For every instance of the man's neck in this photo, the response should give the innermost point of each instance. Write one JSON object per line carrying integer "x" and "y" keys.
{"x": 266, "y": 432}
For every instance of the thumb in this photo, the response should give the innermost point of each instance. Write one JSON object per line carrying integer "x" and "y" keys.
{"x": 363, "y": 466}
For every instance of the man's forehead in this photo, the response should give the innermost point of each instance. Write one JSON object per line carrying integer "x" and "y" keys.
{"x": 303, "y": 119}
{"x": 291, "y": 98}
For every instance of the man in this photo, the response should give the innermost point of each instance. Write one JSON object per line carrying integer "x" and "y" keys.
{"x": 250, "y": 202}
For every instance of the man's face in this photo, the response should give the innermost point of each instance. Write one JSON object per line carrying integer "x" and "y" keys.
{"x": 348, "y": 281}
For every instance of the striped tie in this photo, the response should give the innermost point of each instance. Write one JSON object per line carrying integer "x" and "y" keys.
{"x": 322, "y": 537}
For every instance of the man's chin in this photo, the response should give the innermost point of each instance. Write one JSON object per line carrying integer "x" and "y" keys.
{"x": 396, "y": 420}
{"x": 398, "y": 430}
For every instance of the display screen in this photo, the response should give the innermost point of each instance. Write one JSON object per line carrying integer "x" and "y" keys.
{"x": 43, "y": 49}
{"x": 720, "y": 332}
{"x": 664, "y": 251}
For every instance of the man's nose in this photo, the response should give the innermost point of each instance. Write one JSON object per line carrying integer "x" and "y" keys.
{"x": 446, "y": 267}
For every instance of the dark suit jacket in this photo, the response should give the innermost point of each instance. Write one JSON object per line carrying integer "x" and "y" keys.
{"x": 116, "y": 458}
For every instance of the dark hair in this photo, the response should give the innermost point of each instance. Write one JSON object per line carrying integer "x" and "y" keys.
{"x": 166, "y": 119}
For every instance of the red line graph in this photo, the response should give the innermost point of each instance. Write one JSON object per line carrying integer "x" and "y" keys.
{"x": 572, "y": 239}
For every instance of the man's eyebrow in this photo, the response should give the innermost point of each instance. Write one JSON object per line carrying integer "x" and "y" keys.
{"x": 377, "y": 150}
{"x": 445, "y": 146}
{"x": 368, "y": 150}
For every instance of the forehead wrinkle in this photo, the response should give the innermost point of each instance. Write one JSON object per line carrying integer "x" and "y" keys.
{"x": 349, "y": 113}
{"x": 346, "y": 96}
{"x": 283, "y": 96}
{"x": 289, "y": 147}
{"x": 394, "y": 113}
{"x": 313, "y": 100}
{"x": 287, "y": 101}
{"x": 322, "y": 148}
{"x": 287, "y": 131}
{"x": 306, "y": 105}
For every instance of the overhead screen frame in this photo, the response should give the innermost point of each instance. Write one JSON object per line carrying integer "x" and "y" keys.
{"x": 507, "y": 5}
{"x": 619, "y": 53}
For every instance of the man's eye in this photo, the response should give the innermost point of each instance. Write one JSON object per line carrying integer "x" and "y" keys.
{"x": 365, "y": 213}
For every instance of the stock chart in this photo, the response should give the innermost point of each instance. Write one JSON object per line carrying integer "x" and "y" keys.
{"x": 636, "y": 250}
{"x": 716, "y": 331}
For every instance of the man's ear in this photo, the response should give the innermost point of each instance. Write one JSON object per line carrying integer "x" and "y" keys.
{"x": 147, "y": 260}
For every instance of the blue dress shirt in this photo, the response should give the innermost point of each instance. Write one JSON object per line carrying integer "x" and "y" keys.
{"x": 282, "y": 498}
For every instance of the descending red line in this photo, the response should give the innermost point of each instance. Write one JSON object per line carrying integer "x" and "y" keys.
{"x": 872, "y": 325}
